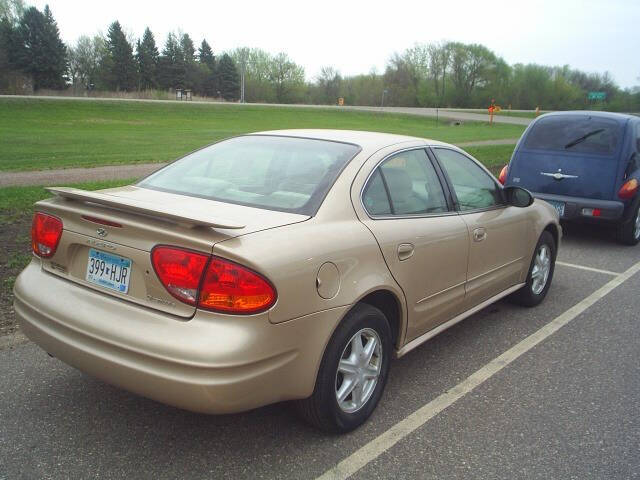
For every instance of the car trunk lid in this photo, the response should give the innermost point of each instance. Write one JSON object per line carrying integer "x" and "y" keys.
{"x": 121, "y": 226}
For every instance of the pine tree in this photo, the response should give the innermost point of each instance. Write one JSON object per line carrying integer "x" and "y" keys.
{"x": 228, "y": 78}
{"x": 119, "y": 64}
{"x": 38, "y": 49}
{"x": 147, "y": 57}
{"x": 208, "y": 62}
{"x": 205, "y": 55}
{"x": 171, "y": 64}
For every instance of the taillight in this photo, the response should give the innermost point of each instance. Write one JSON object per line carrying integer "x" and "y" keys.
{"x": 223, "y": 286}
{"x": 179, "y": 271}
{"x": 46, "y": 231}
{"x": 629, "y": 189}
{"x": 231, "y": 288}
{"x": 503, "y": 174}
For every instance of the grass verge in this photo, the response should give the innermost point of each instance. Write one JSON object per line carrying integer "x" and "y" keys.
{"x": 494, "y": 157}
{"x": 42, "y": 134}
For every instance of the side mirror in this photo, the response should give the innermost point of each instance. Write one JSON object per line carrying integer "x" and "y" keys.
{"x": 518, "y": 197}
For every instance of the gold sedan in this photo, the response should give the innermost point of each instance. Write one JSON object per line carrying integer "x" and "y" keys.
{"x": 286, "y": 265}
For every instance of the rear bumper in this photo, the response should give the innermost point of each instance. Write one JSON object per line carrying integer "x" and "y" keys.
{"x": 209, "y": 364}
{"x": 573, "y": 207}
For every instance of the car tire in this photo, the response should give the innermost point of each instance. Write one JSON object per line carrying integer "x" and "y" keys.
{"x": 323, "y": 409}
{"x": 629, "y": 231}
{"x": 540, "y": 273}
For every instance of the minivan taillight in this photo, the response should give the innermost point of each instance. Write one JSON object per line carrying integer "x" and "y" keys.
{"x": 211, "y": 283}
{"x": 46, "y": 231}
{"x": 629, "y": 189}
{"x": 179, "y": 271}
{"x": 232, "y": 288}
{"x": 503, "y": 174}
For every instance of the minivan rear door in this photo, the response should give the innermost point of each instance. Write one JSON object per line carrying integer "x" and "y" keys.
{"x": 574, "y": 155}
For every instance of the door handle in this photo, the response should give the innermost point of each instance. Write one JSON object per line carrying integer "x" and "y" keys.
{"x": 405, "y": 250}
{"x": 479, "y": 234}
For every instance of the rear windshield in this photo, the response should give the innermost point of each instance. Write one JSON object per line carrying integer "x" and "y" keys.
{"x": 277, "y": 173}
{"x": 579, "y": 134}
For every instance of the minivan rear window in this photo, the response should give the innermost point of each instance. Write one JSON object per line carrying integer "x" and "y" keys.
{"x": 578, "y": 134}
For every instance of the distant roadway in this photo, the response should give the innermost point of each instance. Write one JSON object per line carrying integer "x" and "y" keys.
{"x": 450, "y": 114}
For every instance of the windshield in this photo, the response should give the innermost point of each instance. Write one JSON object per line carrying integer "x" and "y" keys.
{"x": 579, "y": 134}
{"x": 277, "y": 173}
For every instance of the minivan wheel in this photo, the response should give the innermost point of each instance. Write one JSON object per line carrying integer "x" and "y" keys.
{"x": 540, "y": 272}
{"x": 629, "y": 231}
{"x": 352, "y": 374}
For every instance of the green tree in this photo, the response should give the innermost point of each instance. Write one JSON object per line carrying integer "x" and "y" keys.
{"x": 84, "y": 60}
{"x": 205, "y": 55}
{"x": 257, "y": 79}
{"x": 38, "y": 50}
{"x": 228, "y": 78}
{"x": 208, "y": 67}
{"x": 470, "y": 66}
{"x": 11, "y": 11}
{"x": 329, "y": 82}
{"x": 287, "y": 78}
{"x": 119, "y": 65}
{"x": 147, "y": 58}
{"x": 171, "y": 64}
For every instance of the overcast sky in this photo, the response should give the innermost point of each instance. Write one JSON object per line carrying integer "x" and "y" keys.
{"x": 356, "y": 36}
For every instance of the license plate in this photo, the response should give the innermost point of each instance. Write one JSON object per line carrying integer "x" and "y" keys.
{"x": 108, "y": 270}
{"x": 559, "y": 206}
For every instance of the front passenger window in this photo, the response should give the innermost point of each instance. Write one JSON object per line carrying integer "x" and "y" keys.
{"x": 473, "y": 186}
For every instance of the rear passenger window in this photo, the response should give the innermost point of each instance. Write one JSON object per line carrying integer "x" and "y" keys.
{"x": 405, "y": 184}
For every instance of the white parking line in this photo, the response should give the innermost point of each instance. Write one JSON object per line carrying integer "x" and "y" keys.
{"x": 400, "y": 430}
{"x": 590, "y": 269}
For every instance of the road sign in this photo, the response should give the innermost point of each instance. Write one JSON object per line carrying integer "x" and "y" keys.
{"x": 596, "y": 95}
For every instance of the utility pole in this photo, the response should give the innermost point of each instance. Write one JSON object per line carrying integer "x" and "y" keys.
{"x": 384, "y": 92}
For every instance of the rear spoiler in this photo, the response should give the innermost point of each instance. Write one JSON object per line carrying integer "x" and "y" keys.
{"x": 189, "y": 219}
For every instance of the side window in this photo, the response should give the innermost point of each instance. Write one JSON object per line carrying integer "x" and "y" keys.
{"x": 474, "y": 188}
{"x": 405, "y": 184}
{"x": 375, "y": 197}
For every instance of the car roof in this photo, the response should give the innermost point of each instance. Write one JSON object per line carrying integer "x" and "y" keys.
{"x": 618, "y": 117}
{"x": 364, "y": 139}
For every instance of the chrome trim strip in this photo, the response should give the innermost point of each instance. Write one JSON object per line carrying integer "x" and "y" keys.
{"x": 441, "y": 328}
{"x": 438, "y": 293}
{"x": 494, "y": 270}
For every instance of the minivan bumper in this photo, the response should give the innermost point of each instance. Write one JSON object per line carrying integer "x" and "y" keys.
{"x": 211, "y": 363}
{"x": 578, "y": 208}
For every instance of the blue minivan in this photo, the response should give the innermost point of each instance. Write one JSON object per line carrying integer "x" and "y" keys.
{"x": 585, "y": 164}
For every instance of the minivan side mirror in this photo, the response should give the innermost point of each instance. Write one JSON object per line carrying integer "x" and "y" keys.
{"x": 518, "y": 197}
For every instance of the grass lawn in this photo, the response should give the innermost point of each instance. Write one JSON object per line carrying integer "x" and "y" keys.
{"x": 17, "y": 202}
{"x": 494, "y": 157}
{"x": 40, "y": 134}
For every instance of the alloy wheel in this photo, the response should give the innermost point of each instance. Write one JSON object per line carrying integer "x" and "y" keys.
{"x": 359, "y": 370}
{"x": 541, "y": 269}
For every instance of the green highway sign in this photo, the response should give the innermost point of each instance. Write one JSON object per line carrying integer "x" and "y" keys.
{"x": 597, "y": 95}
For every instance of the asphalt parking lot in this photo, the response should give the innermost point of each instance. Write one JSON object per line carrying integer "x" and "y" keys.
{"x": 566, "y": 404}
